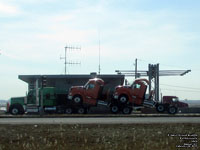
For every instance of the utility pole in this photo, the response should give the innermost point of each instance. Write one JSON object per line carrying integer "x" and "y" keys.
{"x": 136, "y": 68}
{"x": 99, "y": 55}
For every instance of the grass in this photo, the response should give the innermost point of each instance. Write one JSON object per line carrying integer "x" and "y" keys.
{"x": 95, "y": 137}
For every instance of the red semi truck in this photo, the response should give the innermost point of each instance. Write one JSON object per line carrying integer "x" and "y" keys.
{"x": 134, "y": 95}
{"x": 124, "y": 99}
{"x": 87, "y": 96}
{"x": 171, "y": 101}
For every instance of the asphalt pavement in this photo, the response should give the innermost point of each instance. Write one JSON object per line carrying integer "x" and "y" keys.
{"x": 102, "y": 120}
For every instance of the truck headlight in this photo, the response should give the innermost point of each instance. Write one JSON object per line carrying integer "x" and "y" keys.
{"x": 70, "y": 96}
{"x": 116, "y": 96}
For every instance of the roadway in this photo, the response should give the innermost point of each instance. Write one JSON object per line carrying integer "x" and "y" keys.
{"x": 101, "y": 120}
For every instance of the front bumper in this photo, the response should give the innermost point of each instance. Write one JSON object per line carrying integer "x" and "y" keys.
{"x": 116, "y": 96}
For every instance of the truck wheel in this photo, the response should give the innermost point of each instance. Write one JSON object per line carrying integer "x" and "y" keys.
{"x": 77, "y": 99}
{"x": 126, "y": 110}
{"x": 16, "y": 109}
{"x": 172, "y": 110}
{"x": 81, "y": 110}
{"x": 123, "y": 99}
{"x": 68, "y": 110}
{"x": 160, "y": 108}
{"x": 114, "y": 109}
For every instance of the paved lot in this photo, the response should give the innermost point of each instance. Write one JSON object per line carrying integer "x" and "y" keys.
{"x": 98, "y": 120}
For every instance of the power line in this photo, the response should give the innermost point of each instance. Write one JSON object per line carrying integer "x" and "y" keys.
{"x": 180, "y": 87}
{"x": 99, "y": 54}
{"x": 181, "y": 90}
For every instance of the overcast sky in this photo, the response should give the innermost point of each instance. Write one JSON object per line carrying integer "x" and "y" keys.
{"x": 33, "y": 34}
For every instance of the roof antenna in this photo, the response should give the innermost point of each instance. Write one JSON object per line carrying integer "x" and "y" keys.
{"x": 99, "y": 55}
{"x": 69, "y": 48}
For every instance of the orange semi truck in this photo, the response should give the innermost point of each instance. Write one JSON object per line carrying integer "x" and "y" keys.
{"x": 135, "y": 95}
{"x": 89, "y": 95}
{"x": 124, "y": 99}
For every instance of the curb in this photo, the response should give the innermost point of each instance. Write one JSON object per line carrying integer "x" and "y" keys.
{"x": 99, "y": 116}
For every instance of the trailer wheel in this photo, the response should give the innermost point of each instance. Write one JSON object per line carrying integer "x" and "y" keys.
{"x": 68, "y": 110}
{"x": 123, "y": 99}
{"x": 160, "y": 108}
{"x": 77, "y": 99}
{"x": 172, "y": 110}
{"x": 114, "y": 109}
{"x": 81, "y": 110}
{"x": 126, "y": 110}
{"x": 16, "y": 109}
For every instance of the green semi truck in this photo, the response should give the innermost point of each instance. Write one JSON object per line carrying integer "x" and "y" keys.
{"x": 47, "y": 99}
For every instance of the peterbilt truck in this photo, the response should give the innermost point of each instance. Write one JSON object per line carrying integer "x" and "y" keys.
{"x": 135, "y": 95}
{"x": 49, "y": 99}
{"x": 89, "y": 95}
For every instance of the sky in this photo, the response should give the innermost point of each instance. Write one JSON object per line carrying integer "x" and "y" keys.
{"x": 33, "y": 34}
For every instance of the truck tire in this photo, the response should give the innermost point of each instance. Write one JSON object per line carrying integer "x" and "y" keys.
{"x": 81, "y": 110}
{"x": 172, "y": 110}
{"x": 160, "y": 108}
{"x": 16, "y": 109}
{"x": 123, "y": 99}
{"x": 69, "y": 110}
{"x": 114, "y": 109}
{"x": 77, "y": 99}
{"x": 126, "y": 110}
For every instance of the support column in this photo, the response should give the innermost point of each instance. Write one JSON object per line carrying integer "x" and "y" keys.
{"x": 37, "y": 91}
{"x": 158, "y": 76}
{"x": 156, "y": 72}
{"x": 150, "y": 77}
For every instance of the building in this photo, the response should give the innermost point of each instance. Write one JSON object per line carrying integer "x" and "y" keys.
{"x": 64, "y": 82}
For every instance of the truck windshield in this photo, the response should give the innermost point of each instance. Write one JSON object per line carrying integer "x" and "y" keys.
{"x": 89, "y": 86}
{"x": 31, "y": 93}
{"x": 85, "y": 86}
{"x": 175, "y": 99}
{"x": 135, "y": 86}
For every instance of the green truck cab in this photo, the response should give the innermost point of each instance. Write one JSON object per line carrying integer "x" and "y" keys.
{"x": 48, "y": 98}
{"x": 16, "y": 105}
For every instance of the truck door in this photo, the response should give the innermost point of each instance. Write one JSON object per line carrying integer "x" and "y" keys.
{"x": 136, "y": 89}
{"x": 139, "y": 91}
{"x": 175, "y": 101}
{"x": 91, "y": 93}
{"x": 31, "y": 98}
